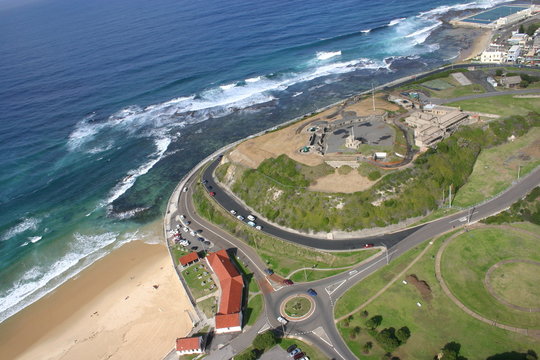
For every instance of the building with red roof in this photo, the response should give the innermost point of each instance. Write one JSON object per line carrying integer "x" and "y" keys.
{"x": 229, "y": 316}
{"x": 189, "y": 259}
{"x": 190, "y": 345}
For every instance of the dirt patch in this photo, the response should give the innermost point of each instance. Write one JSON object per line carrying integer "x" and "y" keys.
{"x": 338, "y": 183}
{"x": 290, "y": 140}
{"x": 421, "y": 286}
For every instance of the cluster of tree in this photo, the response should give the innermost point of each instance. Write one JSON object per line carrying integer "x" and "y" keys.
{"x": 277, "y": 188}
{"x": 450, "y": 351}
{"x": 530, "y": 30}
{"x": 527, "y": 209}
{"x": 261, "y": 343}
{"x": 389, "y": 338}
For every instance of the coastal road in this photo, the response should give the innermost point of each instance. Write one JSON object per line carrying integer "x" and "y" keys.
{"x": 321, "y": 329}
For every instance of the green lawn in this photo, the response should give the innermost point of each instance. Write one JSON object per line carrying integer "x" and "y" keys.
{"x": 312, "y": 275}
{"x": 517, "y": 283}
{"x": 194, "y": 276}
{"x": 298, "y": 306}
{"x": 433, "y": 325}
{"x": 254, "y": 308}
{"x": 466, "y": 261}
{"x": 208, "y": 306}
{"x": 497, "y": 167}
{"x": 505, "y": 105}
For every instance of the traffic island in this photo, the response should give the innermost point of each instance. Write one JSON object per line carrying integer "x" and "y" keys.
{"x": 297, "y": 307}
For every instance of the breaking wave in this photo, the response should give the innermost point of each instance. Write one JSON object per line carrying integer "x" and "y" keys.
{"x": 25, "y": 225}
{"x": 325, "y": 55}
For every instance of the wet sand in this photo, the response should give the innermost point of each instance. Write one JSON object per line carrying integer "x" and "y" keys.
{"x": 112, "y": 310}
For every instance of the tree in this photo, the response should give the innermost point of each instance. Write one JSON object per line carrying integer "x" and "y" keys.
{"x": 387, "y": 339}
{"x": 367, "y": 347}
{"x": 265, "y": 340}
{"x": 521, "y": 29}
{"x": 374, "y": 322}
{"x": 403, "y": 334}
{"x": 498, "y": 72}
{"x": 364, "y": 314}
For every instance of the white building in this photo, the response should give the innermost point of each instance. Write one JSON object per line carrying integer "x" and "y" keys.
{"x": 513, "y": 53}
{"x": 494, "y": 56}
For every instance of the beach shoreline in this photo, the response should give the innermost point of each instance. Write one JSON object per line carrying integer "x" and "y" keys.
{"x": 129, "y": 304}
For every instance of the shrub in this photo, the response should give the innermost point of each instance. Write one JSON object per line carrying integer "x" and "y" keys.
{"x": 387, "y": 339}
{"x": 374, "y": 175}
{"x": 403, "y": 334}
{"x": 265, "y": 340}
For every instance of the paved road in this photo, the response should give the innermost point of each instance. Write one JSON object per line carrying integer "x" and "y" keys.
{"x": 321, "y": 329}
{"x": 484, "y": 95}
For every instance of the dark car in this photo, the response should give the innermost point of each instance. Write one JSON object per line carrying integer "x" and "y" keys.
{"x": 291, "y": 348}
{"x": 209, "y": 187}
{"x": 194, "y": 247}
{"x": 205, "y": 182}
{"x": 312, "y": 292}
{"x": 368, "y": 246}
{"x": 269, "y": 271}
{"x": 299, "y": 356}
{"x": 288, "y": 282}
{"x": 212, "y": 193}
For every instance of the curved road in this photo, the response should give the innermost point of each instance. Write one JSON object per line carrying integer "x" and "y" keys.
{"x": 320, "y": 329}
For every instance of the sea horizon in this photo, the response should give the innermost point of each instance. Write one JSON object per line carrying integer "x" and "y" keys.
{"x": 105, "y": 107}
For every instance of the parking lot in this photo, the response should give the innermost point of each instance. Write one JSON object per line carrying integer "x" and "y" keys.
{"x": 369, "y": 132}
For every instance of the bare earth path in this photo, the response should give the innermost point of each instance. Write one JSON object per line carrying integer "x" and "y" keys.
{"x": 530, "y": 332}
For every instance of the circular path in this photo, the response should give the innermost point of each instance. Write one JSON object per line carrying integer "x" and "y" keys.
{"x": 488, "y": 284}
{"x": 529, "y": 332}
{"x": 297, "y": 318}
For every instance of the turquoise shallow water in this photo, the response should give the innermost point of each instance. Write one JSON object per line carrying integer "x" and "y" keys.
{"x": 104, "y": 105}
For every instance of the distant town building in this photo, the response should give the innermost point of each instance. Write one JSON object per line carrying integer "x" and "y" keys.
{"x": 494, "y": 55}
{"x": 513, "y": 53}
{"x": 511, "y": 81}
{"x": 229, "y": 316}
{"x": 518, "y": 39}
{"x": 190, "y": 345}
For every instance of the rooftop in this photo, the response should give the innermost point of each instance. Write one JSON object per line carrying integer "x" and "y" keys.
{"x": 189, "y": 258}
{"x": 190, "y": 343}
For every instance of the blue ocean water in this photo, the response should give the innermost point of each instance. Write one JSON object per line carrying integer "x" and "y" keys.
{"x": 104, "y": 105}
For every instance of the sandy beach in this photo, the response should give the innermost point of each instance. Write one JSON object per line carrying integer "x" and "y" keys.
{"x": 128, "y": 305}
{"x": 479, "y": 44}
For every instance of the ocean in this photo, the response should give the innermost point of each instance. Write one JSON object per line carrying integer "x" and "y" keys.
{"x": 105, "y": 105}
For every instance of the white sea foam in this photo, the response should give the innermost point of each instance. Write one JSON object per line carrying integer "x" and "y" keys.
{"x": 43, "y": 277}
{"x": 420, "y": 36}
{"x": 128, "y": 181}
{"x": 127, "y": 214}
{"x": 227, "y": 87}
{"x": 297, "y": 93}
{"x": 441, "y": 10}
{"x": 254, "y": 79}
{"x": 35, "y": 239}
{"x": 396, "y": 21}
{"x": 325, "y": 55}
{"x": 25, "y": 225}
{"x": 366, "y": 31}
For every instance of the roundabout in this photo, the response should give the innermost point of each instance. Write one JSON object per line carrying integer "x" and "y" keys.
{"x": 297, "y": 307}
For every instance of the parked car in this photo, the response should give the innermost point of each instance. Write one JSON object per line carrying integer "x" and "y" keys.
{"x": 205, "y": 182}
{"x": 251, "y": 217}
{"x": 209, "y": 187}
{"x": 184, "y": 189}
{"x": 251, "y": 223}
{"x": 269, "y": 271}
{"x": 185, "y": 228}
{"x": 184, "y": 242}
{"x": 212, "y": 193}
{"x": 288, "y": 282}
{"x": 201, "y": 239}
{"x": 240, "y": 217}
{"x": 312, "y": 292}
{"x": 192, "y": 233}
{"x": 183, "y": 217}
{"x": 368, "y": 246}
{"x": 194, "y": 248}
{"x": 298, "y": 356}
{"x": 233, "y": 212}
{"x": 291, "y": 348}
{"x": 295, "y": 352}
{"x": 282, "y": 320}
{"x": 258, "y": 227}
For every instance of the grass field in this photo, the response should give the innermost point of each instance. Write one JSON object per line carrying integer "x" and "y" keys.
{"x": 208, "y": 306}
{"x": 504, "y": 105}
{"x": 254, "y": 308}
{"x": 517, "y": 283}
{"x": 298, "y": 306}
{"x": 497, "y": 167}
{"x": 467, "y": 259}
{"x": 433, "y": 325}
{"x": 312, "y": 275}
{"x": 199, "y": 280}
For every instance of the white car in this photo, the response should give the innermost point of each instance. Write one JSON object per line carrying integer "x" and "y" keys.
{"x": 240, "y": 217}
{"x": 258, "y": 227}
{"x": 185, "y": 189}
{"x": 233, "y": 212}
{"x": 251, "y": 223}
{"x": 185, "y": 228}
{"x": 184, "y": 242}
{"x": 183, "y": 217}
{"x": 251, "y": 217}
{"x": 193, "y": 233}
{"x": 282, "y": 320}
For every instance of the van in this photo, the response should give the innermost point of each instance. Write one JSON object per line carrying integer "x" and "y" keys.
{"x": 251, "y": 217}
